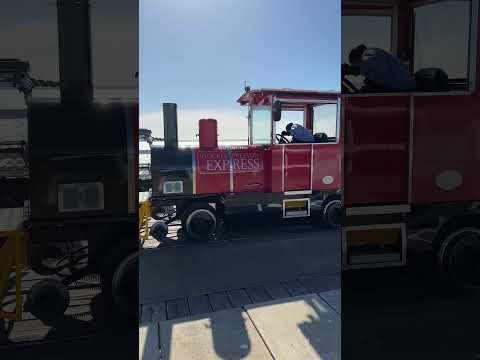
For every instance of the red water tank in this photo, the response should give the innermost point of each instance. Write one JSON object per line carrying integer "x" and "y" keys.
{"x": 208, "y": 135}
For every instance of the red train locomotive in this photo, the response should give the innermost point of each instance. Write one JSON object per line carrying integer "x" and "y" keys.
{"x": 273, "y": 173}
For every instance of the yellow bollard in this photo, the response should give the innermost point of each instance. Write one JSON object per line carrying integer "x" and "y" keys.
{"x": 144, "y": 214}
{"x": 12, "y": 258}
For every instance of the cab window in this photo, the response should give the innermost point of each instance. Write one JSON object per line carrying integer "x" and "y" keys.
{"x": 374, "y": 31}
{"x": 438, "y": 54}
{"x": 325, "y": 120}
{"x": 294, "y": 116}
{"x": 260, "y": 125}
{"x": 442, "y": 39}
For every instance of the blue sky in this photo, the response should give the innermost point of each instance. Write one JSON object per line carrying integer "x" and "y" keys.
{"x": 199, "y": 53}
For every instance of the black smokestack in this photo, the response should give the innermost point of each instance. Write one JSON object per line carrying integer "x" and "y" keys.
{"x": 74, "y": 45}
{"x": 170, "y": 126}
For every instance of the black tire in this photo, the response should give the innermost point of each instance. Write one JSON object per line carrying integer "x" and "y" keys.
{"x": 199, "y": 222}
{"x": 332, "y": 213}
{"x": 48, "y": 300}
{"x": 121, "y": 295}
{"x": 458, "y": 258}
{"x": 159, "y": 230}
{"x": 181, "y": 235}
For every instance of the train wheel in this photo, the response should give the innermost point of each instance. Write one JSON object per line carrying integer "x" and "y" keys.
{"x": 458, "y": 258}
{"x": 159, "y": 230}
{"x": 199, "y": 222}
{"x": 332, "y": 213}
{"x": 48, "y": 300}
{"x": 124, "y": 280}
{"x": 180, "y": 234}
{"x": 119, "y": 279}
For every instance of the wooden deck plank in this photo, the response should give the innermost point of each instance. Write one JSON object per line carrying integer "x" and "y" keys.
{"x": 146, "y": 315}
{"x": 199, "y": 304}
{"x": 177, "y": 308}
{"x": 28, "y": 330}
{"x": 258, "y": 294}
{"x": 159, "y": 312}
{"x": 276, "y": 290}
{"x": 219, "y": 301}
{"x": 320, "y": 283}
{"x": 78, "y": 310}
{"x": 294, "y": 287}
{"x": 238, "y": 297}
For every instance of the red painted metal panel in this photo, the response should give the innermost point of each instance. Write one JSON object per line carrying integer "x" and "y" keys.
{"x": 376, "y": 148}
{"x": 297, "y": 161}
{"x": 446, "y": 150}
{"x": 212, "y": 171}
{"x": 326, "y": 162}
{"x": 256, "y": 168}
{"x": 249, "y": 168}
{"x": 276, "y": 156}
{"x": 234, "y": 169}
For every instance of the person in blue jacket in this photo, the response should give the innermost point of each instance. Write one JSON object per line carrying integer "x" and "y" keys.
{"x": 382, "y": 71}
{"x": 299, "y": 133}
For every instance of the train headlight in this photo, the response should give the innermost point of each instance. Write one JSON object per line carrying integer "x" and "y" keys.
{"x": 80, "y": 197}
{"x": 173, "y": 187}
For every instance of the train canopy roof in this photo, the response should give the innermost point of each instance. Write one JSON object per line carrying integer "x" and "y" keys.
{"x": 264, "y": 97}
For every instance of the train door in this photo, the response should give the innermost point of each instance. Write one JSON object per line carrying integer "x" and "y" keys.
{"x": 376, "y": 153}
{"x": 296, "y": 158}
{"x": 326, "y": 151}
{"x": 444, "y": 123}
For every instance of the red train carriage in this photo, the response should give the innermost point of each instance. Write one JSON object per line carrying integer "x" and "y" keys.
{"x": 411, "y": 160}
{"x": 270, "y": 174}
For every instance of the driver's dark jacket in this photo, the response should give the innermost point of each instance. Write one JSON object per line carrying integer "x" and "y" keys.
{"x": 300, "y": 134}
{"x": 385, "y": 71}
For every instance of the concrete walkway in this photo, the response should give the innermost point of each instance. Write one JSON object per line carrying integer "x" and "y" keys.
{"x": 303, "y": 327}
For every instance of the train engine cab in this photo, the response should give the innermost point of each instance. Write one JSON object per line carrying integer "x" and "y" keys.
{"x": 278, "y": 172}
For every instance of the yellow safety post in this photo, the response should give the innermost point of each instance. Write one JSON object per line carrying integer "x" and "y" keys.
{"x": 144, "y": 217}
{"x": 12, "y": 258}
